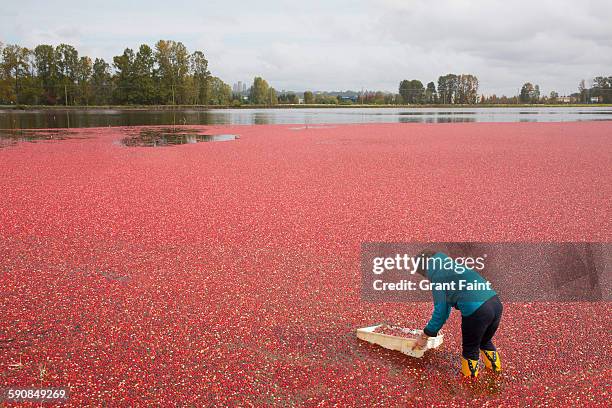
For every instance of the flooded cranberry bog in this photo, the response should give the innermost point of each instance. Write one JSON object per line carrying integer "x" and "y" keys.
{"x": 173, "y": 272}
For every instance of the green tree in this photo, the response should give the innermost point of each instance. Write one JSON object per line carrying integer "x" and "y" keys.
{"x": 288, "y": 98}
{"x": 431, "y": 95}
{"x": 466, "y": 89}
{"x": 201, "y": 75}
{"x": 219, "y": 92}
{"x": 259, "y": 94}
{"x": 412, "y": 91}
{"x": 325, "y": 99}
{"x": 67, "y": 58}
{"x": 529, "y": 93}
{"x": 168, "y": 74}
{"x": 46, "y": 70}
{"x": 15, "y": 72}
{"x": 5, "y": 85}
{"x": 143, "y": 77}
{"x": 526, "y": 91}
{"x": 308, "y": 98}
{"x": 173, "y": 65}
{"x": 602, "y": 89}
{"x": 163, "y": 58}
{"x": 272, "y": 97}
{"x": 101, "y": 82}
{"x": 404, "y": 90}
{"x": 124, "y": 77}
{"x": 447, "y": 88}
{"x": 181, "y": 64}
{"x": 84, "y": 73}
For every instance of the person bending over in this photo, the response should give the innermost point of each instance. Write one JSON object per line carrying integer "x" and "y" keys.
{"x": 481, "y": 311}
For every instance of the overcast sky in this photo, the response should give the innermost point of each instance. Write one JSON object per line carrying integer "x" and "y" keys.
{"x": 338, "y": 44}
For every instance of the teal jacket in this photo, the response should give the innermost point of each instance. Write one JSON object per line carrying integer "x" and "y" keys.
{"x": 466, "y": 300}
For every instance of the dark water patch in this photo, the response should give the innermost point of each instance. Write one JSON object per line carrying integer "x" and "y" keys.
{"x": 10, "y": 137}
{"x": 163, "y": 137}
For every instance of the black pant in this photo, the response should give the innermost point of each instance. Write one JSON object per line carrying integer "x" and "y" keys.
{"x": 478, "y": 328}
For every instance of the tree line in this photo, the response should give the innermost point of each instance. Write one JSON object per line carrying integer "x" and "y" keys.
{"x": 168, "y": 74}
{"x": 451, "y": 89}
{"x": 162, "y": 75}
{"x": 599, "y": 92}
{"x": 463, "y": 89}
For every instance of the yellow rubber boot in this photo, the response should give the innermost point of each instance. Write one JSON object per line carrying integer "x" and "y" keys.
{"x": 491, "y": 360}
{"x": 469, "y": 368}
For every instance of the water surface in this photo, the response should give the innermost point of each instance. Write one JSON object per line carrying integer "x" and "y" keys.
{"x": 71, "y": 118}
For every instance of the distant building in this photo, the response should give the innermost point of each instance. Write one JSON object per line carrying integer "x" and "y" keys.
{"x": 595, "y": 99}
{"x": 564, "y": 99}
{"x": 239, "y": 88}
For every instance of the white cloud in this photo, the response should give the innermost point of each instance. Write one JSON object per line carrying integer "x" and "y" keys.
{"x": 344, "y": 44}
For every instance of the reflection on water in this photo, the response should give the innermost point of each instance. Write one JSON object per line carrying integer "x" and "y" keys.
{"x": 441, "y": 119}
{"x": 159, "y": 137}
{"x": 9, "y": 137}
{"x": 471, "y": 112}
{"x": 67, "y": 118}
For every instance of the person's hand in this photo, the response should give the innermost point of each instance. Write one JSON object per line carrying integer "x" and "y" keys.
{"x": 421, "y": 342}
